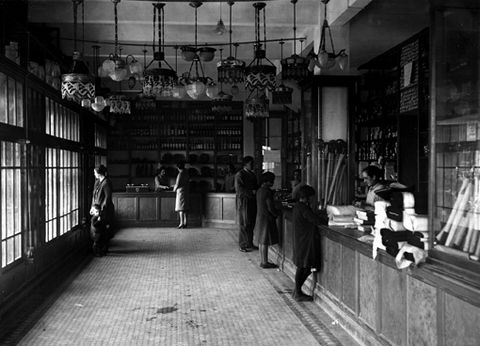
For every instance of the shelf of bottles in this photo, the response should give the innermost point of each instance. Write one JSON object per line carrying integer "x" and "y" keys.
{"x": 377, "y": 141}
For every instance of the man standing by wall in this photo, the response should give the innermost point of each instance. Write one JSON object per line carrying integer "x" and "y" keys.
{"x": 245, "y": 186}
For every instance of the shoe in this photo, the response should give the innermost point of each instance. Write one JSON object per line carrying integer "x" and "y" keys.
{"x": 244, "y": 249}
{"x": 180, "y": 226}
{"x": 301, "y": 297}
{"x": 253, "y": 247}
{"x": 268, "y": 265}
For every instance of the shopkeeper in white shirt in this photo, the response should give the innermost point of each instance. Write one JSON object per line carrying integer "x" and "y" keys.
{"x": 372, "y": 176}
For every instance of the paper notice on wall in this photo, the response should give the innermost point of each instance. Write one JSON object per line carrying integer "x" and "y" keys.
{"x": 471, "y": 132}
{"x": 407, "y": 74}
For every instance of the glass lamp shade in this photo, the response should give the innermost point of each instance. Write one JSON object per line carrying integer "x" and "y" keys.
{"x": 256, "y": 107}
{"x": 212, "y": 91}
{"x": 322, "y": 59}
{"x": 295, "y": 67}
{"x": 178, "y": 91}
{"x": 108, "y": 66}
{"x": 188, "y": 53}
{"x": 136, "y": 67}
{"x": 101, "y": 72}
{"x": 119, "y": 74}
{"x": 220, "y": 28}
{"x": 261, "y": 77}
{"x": 86, "y": 103}
{"x": 99, "y": 104}
{"x": 159, "y": 82}
{"x": 231, "y": 70}
{"x": 206, "y": 53}
{"x": 195, "y": 89}
{"x": 77, "y": 87}
{"x": 342, "y": 61}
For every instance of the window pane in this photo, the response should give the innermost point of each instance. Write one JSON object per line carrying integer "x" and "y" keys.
{"x": 3, "y": 98}
{"x": 19, "y": 121}
{"x": 11, "y": 101}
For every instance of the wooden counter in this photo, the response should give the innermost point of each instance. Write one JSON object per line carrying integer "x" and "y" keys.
{"x": 381, "y": 305}
{"x": 220, "y": 210}
{"x": 153, "y": 209}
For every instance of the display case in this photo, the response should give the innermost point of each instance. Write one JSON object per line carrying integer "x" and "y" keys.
{"x": 207, "y": 135}
{"x": 455, "y": 155}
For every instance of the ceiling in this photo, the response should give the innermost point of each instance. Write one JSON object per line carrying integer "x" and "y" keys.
{"x": 135, "y": 25}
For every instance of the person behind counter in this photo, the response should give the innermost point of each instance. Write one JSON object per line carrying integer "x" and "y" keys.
{"x": 182, "y": 198}
{"x": 306, "y": 240}
{"x": 245, "y": 186}
{"x": 372, "y": 176}
{"x": 230, "y": 179}
{"x": 162, "y": 182}
{"x": 296, "y": 183}
{"x": 266, "y": 232}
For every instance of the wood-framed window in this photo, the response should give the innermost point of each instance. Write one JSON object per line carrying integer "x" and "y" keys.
{"x": 11, "y": 101}
{"x": 12, "y": 173}
{"x": 61, "y": 121}
{"x": 62, "y": 183}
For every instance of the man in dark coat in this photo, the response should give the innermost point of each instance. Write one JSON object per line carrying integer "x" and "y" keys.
{"x": 245, "y": 186}
{"x": 102, "y": 195}
{"x": 306, "y": 247}
{"x": 266, "y": 232}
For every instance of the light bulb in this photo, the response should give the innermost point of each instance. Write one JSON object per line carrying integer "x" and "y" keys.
{"x": 212, "y": 91}
{"x": 136, "y": 68}
{"x": 220, "y": 28}
{"x": 323, "y": 58}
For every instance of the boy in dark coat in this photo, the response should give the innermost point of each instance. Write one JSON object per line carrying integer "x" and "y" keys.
{"x": 98, "y": 232}
{"x": 266, "y": 232}
{"x": 306, "y": 247}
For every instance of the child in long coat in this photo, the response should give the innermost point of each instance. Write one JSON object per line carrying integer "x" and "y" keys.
{"x": 98, "y": 232}
{"x": 306, "y": 246}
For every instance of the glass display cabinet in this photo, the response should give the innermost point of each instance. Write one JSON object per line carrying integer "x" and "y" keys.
{"x": 455, "y": 155}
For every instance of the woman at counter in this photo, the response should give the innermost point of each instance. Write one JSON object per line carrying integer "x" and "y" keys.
{"x": 162, "y": 182}
{"x": 181, "y": 189}
{"x": 102, "y": 196}
{"x": 266, "y": 232}
{"x": 372, "y": 176}
{"x": 306, "y": 244}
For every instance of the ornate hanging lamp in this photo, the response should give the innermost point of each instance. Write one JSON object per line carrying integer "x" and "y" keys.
{"x": 328, "y": 59}
{"x": 282, "y": 94}
{"x": 159, "y": 81}
{"x": 222, "y": 96}
{"x": 220, "y": 28}
{"x": 231, "y": 70}
{"x": 115, "y": 67}
{"x": 295, "y": 67}
{"x": 77, "y": 85}
{"x": 260, "y": 76}
{"x": 196, "y": 82}
{"x": 99, "y": 103}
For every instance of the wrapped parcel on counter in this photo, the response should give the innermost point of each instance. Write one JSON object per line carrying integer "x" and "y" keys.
{"x": 341, "y": 215}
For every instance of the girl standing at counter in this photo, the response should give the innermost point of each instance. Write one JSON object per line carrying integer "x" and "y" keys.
{"x": 306, "y": 244}
{"x": 182, "y": 197}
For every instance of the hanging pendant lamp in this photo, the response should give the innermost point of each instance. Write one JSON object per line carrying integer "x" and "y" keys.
{"x": 328, "y": 59}
{"x": 295, "y": 67}
{"x": 77, "y": 85}
{"x": 178, "y": 89}
{"x": 196, "y": 82}
{"x": 159, "y": 81}
{"x": 260, "y": 76}
{"x": 231, "y": 70}
{"x": 282, "y": 94}
{"x": 222, "y": 96}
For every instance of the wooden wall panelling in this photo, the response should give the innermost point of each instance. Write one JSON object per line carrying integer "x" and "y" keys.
{"x": 368, "y": 295}
{"x": 126, "y": 208}
{"x": 462, "y": 321}
{"x": 393, "y": 305}
{"x": 349, "y": 278}
{"x": 421, "y": 313}
{"x": 148, "y": 208}
{"x": 167, "y": 209}
{"x": 213, "y": 209}
{"x": 229, "y": 208}
{"x": 333, "y": 272}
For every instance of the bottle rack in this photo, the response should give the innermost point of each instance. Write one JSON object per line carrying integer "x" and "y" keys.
{"x": 179, "y": 128}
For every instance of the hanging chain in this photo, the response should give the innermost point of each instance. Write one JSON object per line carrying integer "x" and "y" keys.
{"x": 230, "y": 3}
{"x": 159, "y": 24}
{"x": 176, "y": 58}
{"x": 115, "y": 2}
{"x": 154, "y": 26}
{"x": 75, "y": 4}
{"x": 264, "y": 29}
{"x": 83, "y": 26}
{"x": 196, "y": 19}
{"x": 163, "y": 29}
{"x": 294, "y": 26}
{"x": 281, "y": 49}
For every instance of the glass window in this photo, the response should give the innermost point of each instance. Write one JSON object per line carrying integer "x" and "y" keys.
{"x": 456, "y": 199}
{"x": 61, "y": 122}
{"x": 12, "y": 170}
{"x": 11, "y": 101}
{"x": 61, "y": 192}
{"x": 100, "y": 137}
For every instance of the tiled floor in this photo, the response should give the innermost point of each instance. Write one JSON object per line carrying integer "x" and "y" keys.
{"x": 180, "y": 287}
